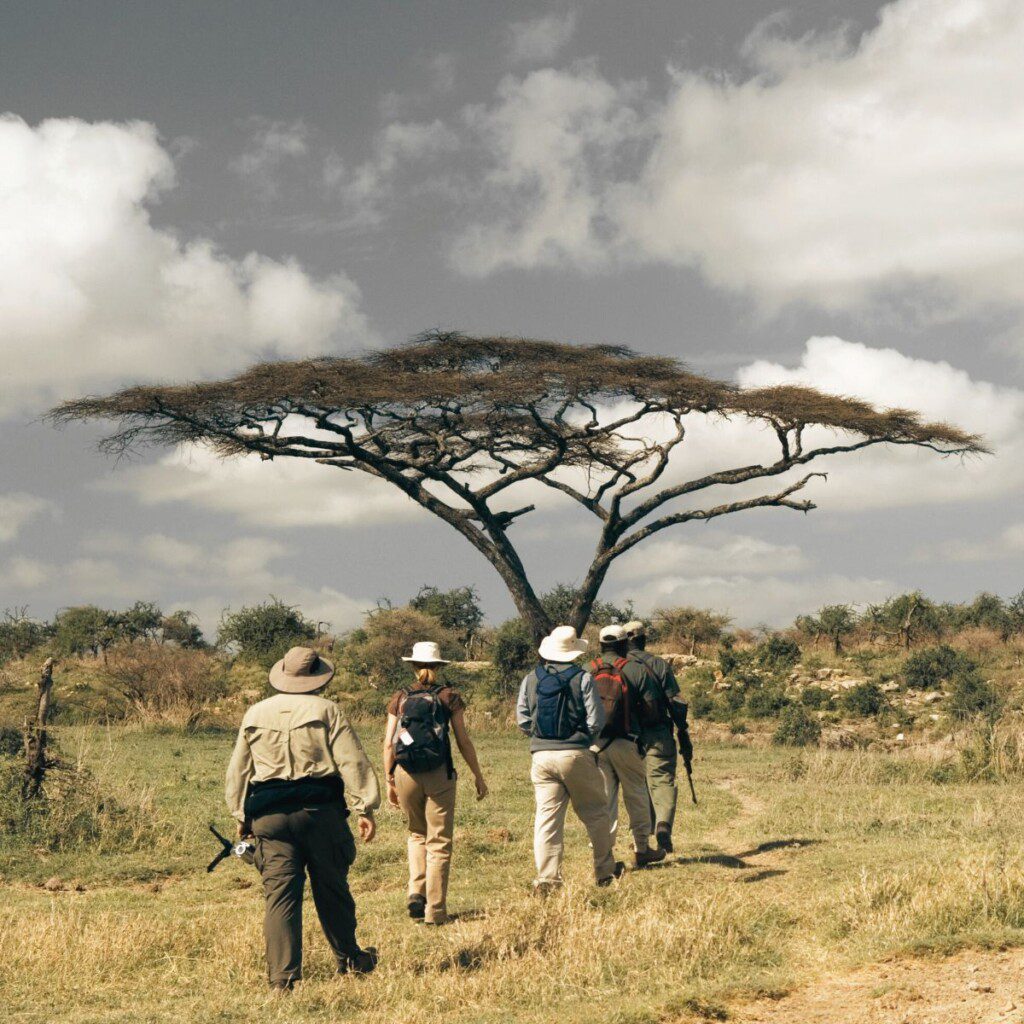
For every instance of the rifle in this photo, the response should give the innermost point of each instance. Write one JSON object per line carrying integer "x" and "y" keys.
{"x": 678, "y": 710}
{"x": 243, "y": 850}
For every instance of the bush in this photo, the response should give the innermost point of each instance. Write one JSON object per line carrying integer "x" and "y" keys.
{"x": 929, "y": 668}
{"x": 72, "y": 813}
{"x": 972, "y": 696}
{"x": 159, "y": 683}
{"x": 777, "y": 653}
{"x": 458, "y": 610}
{"x": 797, "y": 728}
{"x": 765, "y": 701}
{"x": 864, "y": 699}
{"x": 702, "y": 704}
{"x": 374, "y": 653}
{"x": 514, "y": 653}
{"x": 816, "y": 697}
{"x": 262, "y": 633}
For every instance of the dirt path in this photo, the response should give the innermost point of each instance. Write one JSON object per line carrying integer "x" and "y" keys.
{"x": 969, "y": 988}
{"x": 972, "y": 987}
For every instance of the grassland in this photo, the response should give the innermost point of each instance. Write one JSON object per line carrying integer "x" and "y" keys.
{"x": 793, "y": 866}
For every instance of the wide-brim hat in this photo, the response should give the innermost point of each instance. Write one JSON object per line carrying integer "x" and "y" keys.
{"x": 562, "y": 645}
{"x": 301, "y": 670}
{"x": 426, "y": 652}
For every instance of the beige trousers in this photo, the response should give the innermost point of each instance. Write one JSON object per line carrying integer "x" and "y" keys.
{"x": 428, "y": 800}
{"x": 560, "y": 778}
{"x": 623, "y": 768}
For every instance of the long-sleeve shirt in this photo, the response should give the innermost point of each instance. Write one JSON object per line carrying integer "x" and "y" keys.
{"x": 297, "y": 736}
{"x": 588, "y": 706}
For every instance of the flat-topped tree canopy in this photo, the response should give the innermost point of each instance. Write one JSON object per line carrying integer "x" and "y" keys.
{"x": 456, "y": 422}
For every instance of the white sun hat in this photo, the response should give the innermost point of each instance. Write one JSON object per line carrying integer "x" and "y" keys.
{"x": 634, "y": 628}
{"x": 562, "y": 645}
{"x": 613, "y": 634}
{"x": 426, "y": 652}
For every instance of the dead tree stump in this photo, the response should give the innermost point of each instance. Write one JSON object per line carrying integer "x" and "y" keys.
{"x": 36, "y": 761}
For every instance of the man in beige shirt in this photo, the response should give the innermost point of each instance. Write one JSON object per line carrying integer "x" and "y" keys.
{"x": 297, "y": 770}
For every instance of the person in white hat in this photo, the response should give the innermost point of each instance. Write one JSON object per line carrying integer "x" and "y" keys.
{"x": 627, "y": 693}
{"x": 296, "y": 771}
{"x": 560, "y": 712}
{"x": 421, "y": 777}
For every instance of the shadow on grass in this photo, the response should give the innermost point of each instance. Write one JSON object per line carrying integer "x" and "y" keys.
{"x": 740, "y": 861}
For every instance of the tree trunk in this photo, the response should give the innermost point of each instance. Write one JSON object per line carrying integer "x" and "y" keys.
{"x": 36, "y": 761}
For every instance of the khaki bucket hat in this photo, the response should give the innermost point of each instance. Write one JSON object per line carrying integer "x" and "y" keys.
{"x": 300, "y": 671}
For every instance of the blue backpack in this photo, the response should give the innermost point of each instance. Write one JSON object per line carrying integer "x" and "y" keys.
{"x": 556, "y": 715}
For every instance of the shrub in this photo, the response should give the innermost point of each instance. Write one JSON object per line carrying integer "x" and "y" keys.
{"x": 765, "y": 700}
{"x": 514, "y": 653}
{"x": 73, "y": 813}
{"x": 689, "y": 627}
{"x": 930, "y": 667}
{"x": 864, "y": 699}
{"x": 374, "y": 653}
{"x": 702, "y": 704}
{"x": 797, "y": 728}
{"x": 159, "y": 683}
{"x": 972, "y": 696}
{"x": 816, "y": 697}
{"x": 777, "y": 653}
{"x": 262, "y": 633}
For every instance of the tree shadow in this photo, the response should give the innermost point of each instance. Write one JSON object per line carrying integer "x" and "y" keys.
{"x": 468, "y": 915}
{"x": 760, "y": 876}
{"x": 739, "y": 861}
{"x": 779, "y": 844}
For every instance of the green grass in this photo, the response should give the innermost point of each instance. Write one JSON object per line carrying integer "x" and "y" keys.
{"x": 780, "y": 875}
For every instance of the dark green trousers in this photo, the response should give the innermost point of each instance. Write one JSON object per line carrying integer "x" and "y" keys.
{"x": 661, "y": 761}
{"x": 315, "y": 840}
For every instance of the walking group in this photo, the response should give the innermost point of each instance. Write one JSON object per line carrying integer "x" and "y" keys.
{"x": 298, "y": 770}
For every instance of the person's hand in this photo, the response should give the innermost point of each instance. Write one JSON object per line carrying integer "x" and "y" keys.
{"x": 367, "y": 829}
{"x": 392, "y": 794}
{"x": 481, "y": 787}
{"x": 244, "y": 829}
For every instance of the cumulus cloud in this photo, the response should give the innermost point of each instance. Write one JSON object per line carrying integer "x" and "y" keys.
{"x": 304, "y": 494}
{"x": 835, "y": 171}
{"x": 712, "y": 554}
{"x": 91, "y": 294}
{"x": 753, "y": 600}
{"x": 1008, "y": 543}
{"x": 18, "y": 510}
{"x": 272, "y": 144}
{"x": 540, "y": 39}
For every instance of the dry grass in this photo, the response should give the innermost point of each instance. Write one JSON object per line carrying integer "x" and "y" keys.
{"x": 779, "y": 878}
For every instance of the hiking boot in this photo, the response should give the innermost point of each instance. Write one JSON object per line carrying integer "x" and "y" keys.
{"x": 417, "y": 907}
{"x": 617, "y": 872}
{"x": 545, "y": 889}
{"x": 282, "y": 987}
{"x": 363, "y": 962}
{"x": 645, "y": 858}
{"x": 663, "y": 837}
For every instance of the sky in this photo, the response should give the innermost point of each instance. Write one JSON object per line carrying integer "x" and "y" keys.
{"x": 828, "y": 192}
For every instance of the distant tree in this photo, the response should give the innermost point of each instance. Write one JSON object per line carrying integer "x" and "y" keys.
{"x": 85, "y": 629}
{"x": 140, "y": 622}
{"x": 905, "y": 619}
{"x": 988, "y": 611}
{"x": 374, "y": 653}
{"x": 181, "y": 628}
{"x": 262, "y": 633}
{"x": 20, "y": 635}
{"x": 462, "y": 425}
{"x": 514, "y": 652}
{"x": 457, "y": 610}
{"x": 836, "y": 621}
{"x": 559, "y": 602}
{"x": 692, "y": 626}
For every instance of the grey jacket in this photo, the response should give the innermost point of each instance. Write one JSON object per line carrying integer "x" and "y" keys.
{"x": 588, "y": 706}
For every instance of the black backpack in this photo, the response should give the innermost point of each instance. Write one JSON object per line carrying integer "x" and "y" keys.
{"x": 421, "y": 740}
{"x": 555, "y": 714}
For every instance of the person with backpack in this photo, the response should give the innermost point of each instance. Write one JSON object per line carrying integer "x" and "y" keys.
{"x": 560, "y": 711}
{"x": 661, "y": 757}
{"x": 421, "y": 777}
{"x": 297, "y": 770}
{"x": 628, "y": 696}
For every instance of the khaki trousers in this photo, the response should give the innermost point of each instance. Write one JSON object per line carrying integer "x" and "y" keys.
{"x": 561, "y": 777}
{"x": 428, "y": 800}
{"x": 661, "y": 761}
{"x": 317, "y": 840}
{"x": 623, "y": 768}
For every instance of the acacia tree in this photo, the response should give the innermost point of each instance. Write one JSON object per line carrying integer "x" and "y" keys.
{"x": 458, "y": 423}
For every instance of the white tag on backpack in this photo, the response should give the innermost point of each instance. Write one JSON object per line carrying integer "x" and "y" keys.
{"x": 405, "y": 737}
